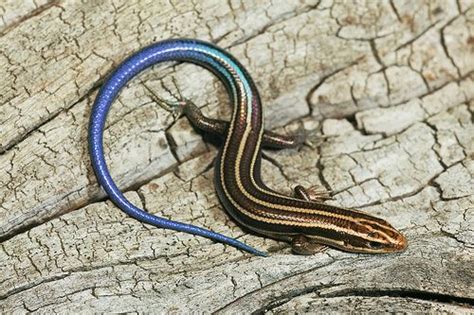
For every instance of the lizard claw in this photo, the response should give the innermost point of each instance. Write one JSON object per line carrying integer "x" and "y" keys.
{"x": 175, "y": 108}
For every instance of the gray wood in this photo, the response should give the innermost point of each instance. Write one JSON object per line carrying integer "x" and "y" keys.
{"x": 384, "y": 92}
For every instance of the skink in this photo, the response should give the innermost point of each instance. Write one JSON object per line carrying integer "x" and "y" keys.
{"x": 303, "y": 220}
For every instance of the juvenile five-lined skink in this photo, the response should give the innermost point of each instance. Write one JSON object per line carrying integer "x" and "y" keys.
{"x": 304, "y": 221}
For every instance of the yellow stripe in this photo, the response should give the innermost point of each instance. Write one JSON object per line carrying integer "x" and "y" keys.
{"x": 244, "y": 192}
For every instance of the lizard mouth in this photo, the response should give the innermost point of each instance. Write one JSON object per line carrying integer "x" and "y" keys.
{"x": 401, "y": 244}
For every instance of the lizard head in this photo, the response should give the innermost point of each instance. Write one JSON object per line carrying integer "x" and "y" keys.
{"x": 364, "y": 235}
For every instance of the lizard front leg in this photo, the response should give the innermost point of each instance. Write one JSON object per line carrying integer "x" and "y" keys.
{"x": 300, "y": 243}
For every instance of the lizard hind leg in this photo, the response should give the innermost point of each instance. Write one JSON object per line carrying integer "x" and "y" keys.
{"x": 217, "y": 127}
{"x": 184, "y": 107}
{"x": 176, "y": 108}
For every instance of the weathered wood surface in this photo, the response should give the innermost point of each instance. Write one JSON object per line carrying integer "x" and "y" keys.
{"x": 384, "y": 90}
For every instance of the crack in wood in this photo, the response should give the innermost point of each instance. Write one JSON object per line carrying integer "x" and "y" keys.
{"x": 401, "y": 293}
{"x": 296, "y": 52}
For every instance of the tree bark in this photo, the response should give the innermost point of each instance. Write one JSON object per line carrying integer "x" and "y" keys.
{"x": 384, "y": 92}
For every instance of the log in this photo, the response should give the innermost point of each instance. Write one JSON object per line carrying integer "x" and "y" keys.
{"x": 383, "y": 91}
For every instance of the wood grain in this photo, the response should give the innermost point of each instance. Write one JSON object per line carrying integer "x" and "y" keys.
{"x": 384, "y": 92}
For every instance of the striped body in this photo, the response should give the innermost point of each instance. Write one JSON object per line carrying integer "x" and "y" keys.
{"x": 237, "y": 175}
